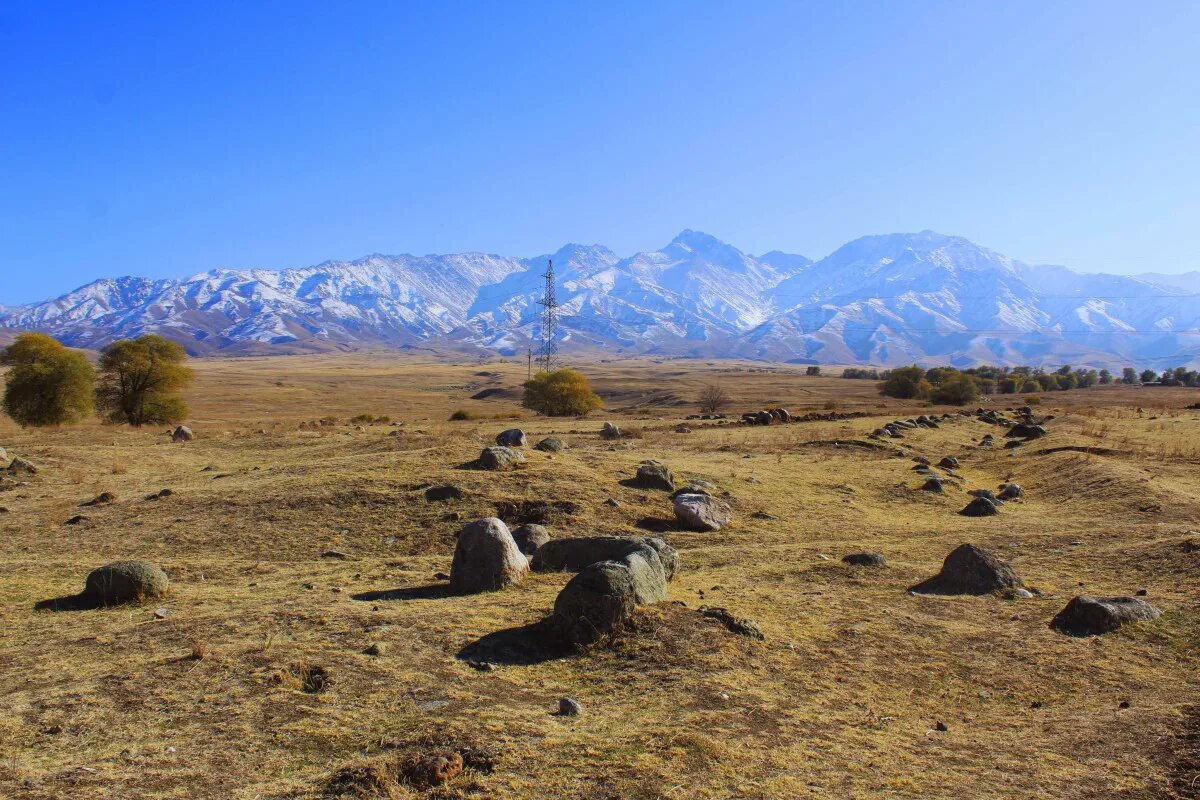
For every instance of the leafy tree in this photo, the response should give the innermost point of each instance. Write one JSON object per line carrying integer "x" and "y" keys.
{"x": 1148, "y": 376}
{"x": 1129, "y": 375}
{"x": 906, "y": 383}
{"x": 713, "y": 398}
{"x": 560, "y": 393}
{"x": 937, "y": 375}
{"x": 47, "y": 384}
{"x": 1105, "y": 377}
{"x": 957, "y": 389}
{"x": 140, "y": 380}
{"x": 1047, "y": 383}
{"x": 1065, "y": 369}
{"x": 813, "y": 371}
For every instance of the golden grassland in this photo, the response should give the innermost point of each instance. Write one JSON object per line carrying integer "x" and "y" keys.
{"x": 841, "y": 699}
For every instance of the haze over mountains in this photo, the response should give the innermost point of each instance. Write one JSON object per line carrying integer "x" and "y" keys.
{"x": 884, "y": 300}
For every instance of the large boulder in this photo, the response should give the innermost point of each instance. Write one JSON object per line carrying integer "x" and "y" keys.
{"x": 20, "y": 466}
{"x": 701, "y": 512}
{"x": 981, "y": 507}
{"x": 125, "y": 582}
{"x": 1010, "y": 491}
{"x": 182, "y": 434}
{"x": 513, "y": 437}
{"x": 610, "y": 431}
{"x": 529, "y": 537}
{"x": 572, "y": 555}
{"x": 3, "y": 458}
{"x": 486, "y": 558}
{"x": 499, "y": 457}
{"x": 550, "y": 444}
{"x": 1024, "y": 430}
{"x": 652, "y": 475}
{"x": 604, "y": 595}
{"x": 971, "y": 570}
{"x": 1091, "y": 616}
{"x": 442, "y": 494}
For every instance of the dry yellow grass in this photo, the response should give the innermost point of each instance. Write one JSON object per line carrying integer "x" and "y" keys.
{"x": 256, "y": 684}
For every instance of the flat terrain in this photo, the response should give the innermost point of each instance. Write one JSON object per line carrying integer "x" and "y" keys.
{"x": 842, "y": 699}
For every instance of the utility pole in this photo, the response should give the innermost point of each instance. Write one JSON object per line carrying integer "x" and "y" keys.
{"x": 549, "y": 348}
{"x": 529, "y": 359}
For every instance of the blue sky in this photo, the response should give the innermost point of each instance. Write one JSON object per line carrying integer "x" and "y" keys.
{"x": 163, "y": 139}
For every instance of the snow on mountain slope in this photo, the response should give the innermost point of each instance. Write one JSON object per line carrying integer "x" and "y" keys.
{"x": 887, "y": 300}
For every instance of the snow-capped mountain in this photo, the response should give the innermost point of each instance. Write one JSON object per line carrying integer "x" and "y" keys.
{"x": 885, "y": 300}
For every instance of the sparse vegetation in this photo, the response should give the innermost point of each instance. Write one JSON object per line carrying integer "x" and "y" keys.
{"x": 140, "y": 381}
{"x": 46, "y": 384}
{"x": 713, "y": 399}
{"x": 560, "y": 393}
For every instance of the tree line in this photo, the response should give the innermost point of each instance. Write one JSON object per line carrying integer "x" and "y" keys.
{"x": 135, "y": 382}
{"x": 953, "y": 386}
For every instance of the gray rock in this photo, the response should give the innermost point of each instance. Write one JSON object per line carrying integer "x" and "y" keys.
{"x": 1086, "y": 615}
{"x": 568, "y": 707}
{"x": 980, "y": 507}
{"x": 499, "y": 457}
{"x": 970, "y": 570}
{"x": 700, "y": 512}
{"x": 551, "y": 444}
{"x": 867, "y": 559}
{"x": 3, "y": 458}
{"x": 934, "y": 485}
{"x": 572, "y": 555}
{"x": 1026, "y": 431}
{"x": 182, "y": 434}
{"x": 529, "y": 537}
{"x": 1010, "y": 491}
{"x": 949, "y": 462}
{"x": 20, "y": 466}
{"x": 513, "y": 437}
{"x": 486, "y": 558}
{"x": 738, "y": 625}
{"x": 595, "y": 603}
{"x": 654, "y": 476}
{"x": 610, "y": 431}
{"x": 126, "y": 582}
{"x": 441, "y": 494}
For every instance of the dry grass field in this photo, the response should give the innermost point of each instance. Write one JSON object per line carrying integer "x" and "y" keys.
{"x": 254, "y": 684}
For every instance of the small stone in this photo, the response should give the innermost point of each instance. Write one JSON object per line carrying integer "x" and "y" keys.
{"x": 375, "y": 649}
{"x": 568, "y": 707}
{"x": 941, "y": 727}
{"x": 162, "y": 613}
{"x": 336, "y": 554}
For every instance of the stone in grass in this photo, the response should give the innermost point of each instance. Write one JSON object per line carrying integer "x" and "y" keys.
{"x": 182, "y": 434}
{"x": 513, "y": 437}
{"x": 971, "y": 570}
{"x": 21, "y": 466}
{"x": 738, "y": 625}
{"x": 699, "y": 512}
{"x": 610, "y": 431}
{"x": 550, "y": 444}
{"x": 1010, "y": 491}
{"x": 1086, "y": 615}
{"x": 529, "y": 537}
{"x": 865, "y": 559}
{"x": 949, "y": 462}
{"x": 499, "y": 457}
{"x": 441, "y": 494}
{"x": 486, "y": 558}
{"x": 569, "y": 707}
{"x": 980, "y": 507}
{"x": 933, "y": 485}
{"x": 653, "y": 475}
{"x": 126, "y": 582}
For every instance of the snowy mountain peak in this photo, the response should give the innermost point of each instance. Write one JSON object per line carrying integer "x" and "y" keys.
{"x": 885, "y": 299}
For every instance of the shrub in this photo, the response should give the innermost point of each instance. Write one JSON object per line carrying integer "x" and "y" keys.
{"x": 560, "y": 393}
{"x": 139, "y": 379}
{"x": 713, "y": 398}
{"x": 461, "y": 415}
{"x": 957, "y": 389}
{"x": 813, "y": 371}
{"x": 1033, "y": 399}
{"x": 47, "y": 384}
{"x": 906, "y": 383}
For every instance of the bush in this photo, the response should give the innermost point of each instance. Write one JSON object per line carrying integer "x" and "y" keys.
{"x": 139, "y": 379}
{"x": 460, "y": 415}
{"x": 906, "y": 383}
{"x": 813, "y": 371}
{"x": 713, "y": 398}
{"x": 1033, "y": 399}
{"x": 957, "y": 389}
{"x": 47, "y": 384}
{"x": 560, "y": 393}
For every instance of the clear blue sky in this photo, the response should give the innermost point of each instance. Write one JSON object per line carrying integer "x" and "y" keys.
{"x": 164, "y": 139}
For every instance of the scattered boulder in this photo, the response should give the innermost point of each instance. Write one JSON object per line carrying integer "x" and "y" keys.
{"x": 781, "y": 414}
{"x": 691, "y": 488}
{"x": 102, "y": 499}
{"x": 20, "y": 466}
{"x": 441, "y": 494}
{"x": 499, "y": 457}
{"x": 529, "y": 537}
{"x": 610, "y": 431}
{"x": 921, "y": 461}
{"x": 486, "y": 558}
{"x": 3, "y": 457}
{"x": 866, "y": 559}
{"x": 1023, "y": 430}
{"x": 949, "y": 462}
{"x": 653, "y": 475}
{"x": 429, "y": 771}
{"x": 569, "y": 707}
{"x": 971, "y": 570}
{"x": 764, "y": 418}
{"x": 701, "y": 512}
{"x": 182, "y": 434}
{"x": 934, "y": 485}
{"x": 572, "y": 555}
{"x": 980, "y": 507}
{"x": 125, "y": 582}
{"x": 1086, "y": 615}
{"x": 513, "y": 437}
{"x": 1010, "y": 491}
{"x": 551, "y": 445}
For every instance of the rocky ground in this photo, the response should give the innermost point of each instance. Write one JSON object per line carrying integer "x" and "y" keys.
{"x": 309, "y": 644}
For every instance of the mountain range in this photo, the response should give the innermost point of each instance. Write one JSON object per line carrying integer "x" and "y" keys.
{"x": 884, "y": 300}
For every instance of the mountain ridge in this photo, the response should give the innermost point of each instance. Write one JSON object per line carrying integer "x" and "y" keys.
{"x": 885, "y": 299}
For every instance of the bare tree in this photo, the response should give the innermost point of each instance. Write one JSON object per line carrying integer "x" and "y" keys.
{"x": 713, "y": 398}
